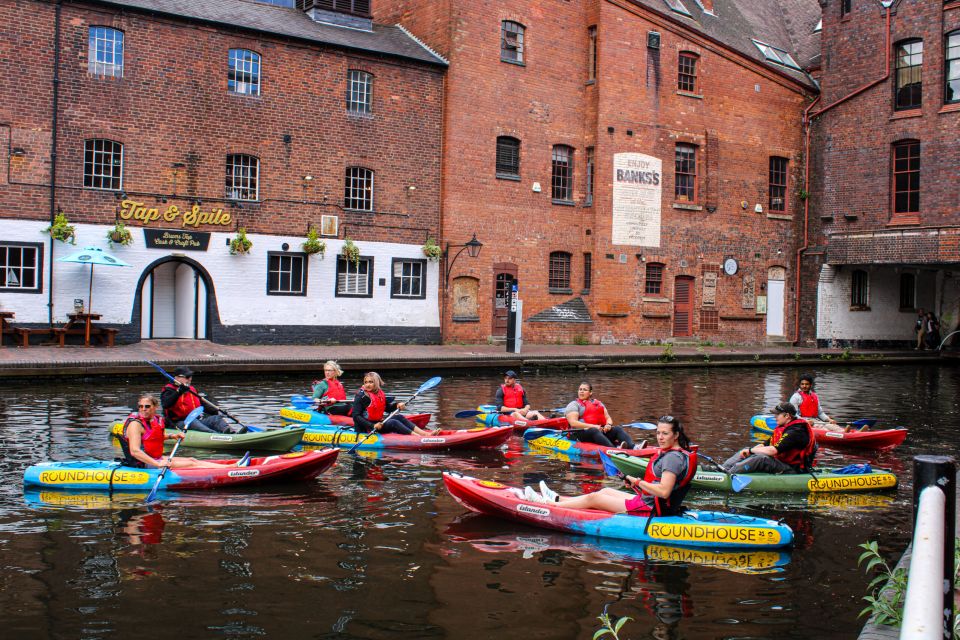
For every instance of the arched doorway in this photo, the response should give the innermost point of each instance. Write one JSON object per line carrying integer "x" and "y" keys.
{"x": 504, "y": 275}
{"x": 174, "y": 301}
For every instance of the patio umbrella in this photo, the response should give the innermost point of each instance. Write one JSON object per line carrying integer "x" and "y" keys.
{"x": 93, "y": 256}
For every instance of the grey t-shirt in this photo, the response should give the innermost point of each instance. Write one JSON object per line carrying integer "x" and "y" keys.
{"x": 672, "y": 461}
{"x": 574, "y": 406}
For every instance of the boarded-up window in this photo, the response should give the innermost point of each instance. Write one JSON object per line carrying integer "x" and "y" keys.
{"x": 465, "y": 298}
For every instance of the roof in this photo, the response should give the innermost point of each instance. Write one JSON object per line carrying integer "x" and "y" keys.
{"x": 787, "y": 25}
{"x": 290, "y": 23}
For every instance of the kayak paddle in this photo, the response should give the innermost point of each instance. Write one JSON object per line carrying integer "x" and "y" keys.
{"x": 471, "y": 413}
{"x": 309, "y": 402}
{"x": 737, "y": 482}
{"x": 193, "y": 415}
{"x": 426, "y": 386}
{"x": 197, "y": 395}
{"x": 533, "y": 434}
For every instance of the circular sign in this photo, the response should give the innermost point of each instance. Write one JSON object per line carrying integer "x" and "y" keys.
{"x": 730, "y": 266}
{"x": 491, "y": 484}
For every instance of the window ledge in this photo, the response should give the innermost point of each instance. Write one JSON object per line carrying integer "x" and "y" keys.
{"x": 753, "y": 318}
{"x": 588, "y": 201}
{"x": 827, "y": 217}
{"x": 687, "y": 207}
{"x": 850, "y": 216}
{"x": 359, "y": 115}
{"x": 953, "y": 106}
{"x": 904, "y": 219}
{"x": 566, "y": 292}
{"x": 466, "y": 318}
{"x": 564, "y": 203}
{"x": 664, "y": 316}
{"x": 584, "y": 292}
{"x": 779, "y": 216}
{"x": 358, "y": 210}
{"x": 909, "y": 113}
{"x": 612, "y": 314}
{"x": 859, "y": 308}
{"x": 515, "y": 63}
{"x": 508, "y": 176}
{"x": 951, "y": 5}
{"x": 655, "y": 299}
{"x": 237, "y": 94}
{"x": 681, "y": 92}
{"x": 590, "y": 82}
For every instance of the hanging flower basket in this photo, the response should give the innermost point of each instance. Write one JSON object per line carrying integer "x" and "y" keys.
{"x": 350, "y": 251}
{"x": 240, "y": 244}
{"x": 313, "y": 243}
{"x": 119, "y": 234}
{"x": 432, "y": 250}
{"x": 62, "y": 230}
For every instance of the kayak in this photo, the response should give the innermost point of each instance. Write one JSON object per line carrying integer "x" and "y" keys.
{"x": 295, "y": 413}
{"x": 826, "y": 480}
{"x": 879, "y": 440}
{"x": 558, "y": 441}
{"x": 712, "y": 529}
{"x": 477, "y": 438}
{"x": 266, "y": 440}
{"x": 101, "y": 475}
{"x": 494, "y": 418}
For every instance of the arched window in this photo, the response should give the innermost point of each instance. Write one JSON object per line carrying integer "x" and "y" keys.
{"x": 559, "y": 276}
{"x": 102, "y": 164}
{"x": 508, "y": 157}
{"x": 909, "y": 85}
{"x": 859, "y": 289}
{"x": 358, "y": 189}
{"x": 562, "y": 173}
{"x": 687, "y": 72}
{"x": 105, "y": 52}
{"x": 243, "y": 177}
{"x": 951, "y": 68}
{"x": 243, "y": 72}
{"x": 511, "y": 42}
{"x": 906, "y": 177}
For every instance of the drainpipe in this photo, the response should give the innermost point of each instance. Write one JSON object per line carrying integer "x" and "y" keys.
{"x": 53, "y": 150}
{"x": 807, "y": 122}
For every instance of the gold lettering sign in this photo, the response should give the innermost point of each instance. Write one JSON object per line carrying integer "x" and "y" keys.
{"x": 194, "y": 217}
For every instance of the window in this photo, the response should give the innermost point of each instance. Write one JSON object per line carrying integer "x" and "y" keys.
{"x": 906, "y": 177}
{"x": 355, "y": 279}
{"x": 654, "y": 280}
{"x": 773, "y": 54}
{"x": 859, "y": 289}
{"x": 511, "y": 42}
{"x": 562, "y": 174}
{"x": 778, "y": 184}
{"x": 709, "y": 320}
{"x": 587, "y": 271}
{"x": 356, "y": 7}
{"x": 102, "y": 164}
{"x": 908, "y": 82}
{"x": 687, "y": 72}
{"x": 685, "y": 187}
{"x": 409, "y": 278}
{"x": 845, "y": 7}
{"x": 951, "y": 69}
{"x": 21, "y": 267}
{"x": 908, "y": 291}
{"x": 508, "y": 157}
{"x": 243, "y": 74}
{"x": 592, "y": 54}
{"x": 358, "y": 189}
{"x": 286, "y": 274}
{"x": 559, "y": 277}
{"x": 105, "y": 52}
{"x": 589, "y": 199}
{"x": 243, "y": 177}
{"x": 359, "y": 92}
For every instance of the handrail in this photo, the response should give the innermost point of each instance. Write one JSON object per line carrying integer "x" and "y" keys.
{"x": 944, "y": 341}
{"x": 922, "y": 609}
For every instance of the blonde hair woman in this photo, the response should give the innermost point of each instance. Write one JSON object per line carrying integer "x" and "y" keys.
{"x": 329, "y": 393}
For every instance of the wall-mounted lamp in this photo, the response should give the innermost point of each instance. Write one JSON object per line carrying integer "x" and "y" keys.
{"x": 121, "y": 195}
{"x": 307, "y": 178}
{"x": 473, "y": 250}
{"x": 411, "y": 188}
{"x": 18, "y": 152}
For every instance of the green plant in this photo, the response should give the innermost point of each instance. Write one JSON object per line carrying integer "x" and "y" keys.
{"x": 62, "y": 230}
{"x": 706, "y": 357}
{"x": 580, "y": 339}
{"x": 803, "y": 194}
{"x": 608, "y": 626}
{"x": 313, "y": 243}
{"x": 886, "y": 590}
{"x": 119, "y": 234}
{"x": 350, "y": 251}
{"x": 667, "y": 354}
{"x": 240, "y": 244}
{"x": 845, "y": 354}
{"x": 756, "y": 356}
{"x": 796, "y": 356}
{"x": 432, "y": 250}
{"x": 826, "y": 356}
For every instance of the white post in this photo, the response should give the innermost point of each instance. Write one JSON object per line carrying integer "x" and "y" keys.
{"x": 923, "y": 607}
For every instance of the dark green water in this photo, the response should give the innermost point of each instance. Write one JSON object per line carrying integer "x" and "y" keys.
{"x": 375, "y": 548}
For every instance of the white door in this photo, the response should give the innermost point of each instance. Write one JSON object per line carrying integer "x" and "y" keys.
{"x": 775, "y": 307}
{"x": 174, "y": 303}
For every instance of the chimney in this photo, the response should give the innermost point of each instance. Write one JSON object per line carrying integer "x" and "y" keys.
{"x": 707, "y": 5}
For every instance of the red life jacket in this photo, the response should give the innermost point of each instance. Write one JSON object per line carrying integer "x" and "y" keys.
{"x": 801, "y": 459}
{"x": 593, "y": 412}
{"x": 151, "y": 441}
{"x": 809, "y": 405}
{"x": 378, "y": 405}
{"x": 671, "y": 504}
{"x": 335, "y": 389}
{"x": 512, "y": 396}
{"x": 186, "y": 403}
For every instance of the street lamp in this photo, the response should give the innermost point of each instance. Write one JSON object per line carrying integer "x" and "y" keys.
{"x": 473, "y": 250}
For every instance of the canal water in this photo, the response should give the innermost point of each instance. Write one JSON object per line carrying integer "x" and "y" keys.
{"x": 376, "y": 548}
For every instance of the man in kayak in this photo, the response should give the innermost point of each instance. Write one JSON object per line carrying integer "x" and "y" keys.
{"x": 329, "y": 393}
{"x": 180, "y": 397}
{"x": 808, "y": 404}
{"x": 792, "y": 447}
{"x": 590, "y": 421}
{"x": 142, "y": 440}
{"x": 512, "y": 399}
{"x": 370, "y": 405}
{"x": 660, "y": 492}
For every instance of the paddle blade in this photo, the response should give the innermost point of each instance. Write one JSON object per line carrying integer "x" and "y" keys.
{"x": 739, "y": 483}
{"x": 468, "y": 414}
{"x": 160, "y": 369}
{"x": 608, "y": 467}
{"x": 864, "y": 423}
{"x": 533, "y": 434}
{"x": 649, "y": 426}
{"x": 193, "y": 415}
{"x": 429, "y": 384}
{"x": 153, "y": 493}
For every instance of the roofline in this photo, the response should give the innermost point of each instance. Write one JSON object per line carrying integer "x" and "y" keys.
{"x": 169, "y": 14}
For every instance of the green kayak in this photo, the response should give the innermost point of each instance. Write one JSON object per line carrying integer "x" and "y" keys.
{"x": 268, "y": 440}
{"x": 821, "y": 480}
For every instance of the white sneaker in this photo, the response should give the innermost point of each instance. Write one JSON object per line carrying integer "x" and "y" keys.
{"x": 547, "y": 492}
{"x": 532, "y": 496}
{"x": 517, "y": 492}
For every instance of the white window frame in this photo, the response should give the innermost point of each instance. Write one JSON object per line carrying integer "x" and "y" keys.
{"x": 242, "y": 177}
{"x": 105, "y": 54}
{"x": 358, "y": 189}
{"x": 359, "y": 92}
{"x": 105, "y": 166}
{"x": 243, "y": 71}
{"x": 354, "y": 280}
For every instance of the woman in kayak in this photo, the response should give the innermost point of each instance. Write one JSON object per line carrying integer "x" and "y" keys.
{"x": 662, "y": 489}
{"x": 142, "y": 440}
{"x": 590, "y": 421}
{"x": 329, "y": 393}
{"x": 371, "y": 405}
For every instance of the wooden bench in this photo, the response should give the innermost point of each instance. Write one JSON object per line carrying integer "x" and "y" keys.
{"x": 59, "y": 335}
{"x": 25, "y": 334}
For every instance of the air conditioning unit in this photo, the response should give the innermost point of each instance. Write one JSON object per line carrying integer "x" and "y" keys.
{"x": 653, "y": 39}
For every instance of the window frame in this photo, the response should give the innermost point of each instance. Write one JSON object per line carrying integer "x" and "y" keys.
{"x": 587, "y": 272}
{"x": 951, "y": 64}
{"x": 899, "y": 71}
{"x": 561, "y": 174}
{"x": 254, "y": 61}
{"x": 677, "y": 174}
{"x": 859, "y": 291}
{"x": 91, "y": 177}
{"x": 690, "y": 73}
{"x": 592, "y": 53}
{"x": 908, "y": 145}
{"x": 394, "y": 278}
{"x": 517, "y": 46}
{"x": 908, "y": 291}
{"x": 559, "y": 282}
{"x": 37, "y": 247}
{"x": 502, "y": 143}
{"x": 590, "y": 168}
{"x": 342, "y": 261}
{"x": 846, "y": 8}
{"x": 94, "y": 66}
{"x": 362, "y": 78}
{"x": 781, "y": 188}
{"x": 231, "y": 188}
{"x": 350, "y": 190}
{"x": 653, "y": 279}
{"x": 304, "y": 263}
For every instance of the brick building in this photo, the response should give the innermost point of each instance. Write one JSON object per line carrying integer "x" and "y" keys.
{"x": 190, "y": 121}
{"x": 634, "y": 165}
{"x": 884, "y": 219}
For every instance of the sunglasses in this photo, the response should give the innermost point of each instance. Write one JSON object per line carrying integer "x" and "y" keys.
{"x": 144, "y": 406}
{"x": 666, "y": 419}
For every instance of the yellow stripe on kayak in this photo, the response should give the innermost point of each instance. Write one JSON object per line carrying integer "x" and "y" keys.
{"x": 704, "y": 532}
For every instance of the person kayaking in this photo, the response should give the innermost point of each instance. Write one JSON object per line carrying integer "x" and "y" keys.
{"x": 792, "y": 447}
{"x": 179, "y": 399}
{"x": 512, "y": 399}
{"x": 662, "y": 489}
{"x": 329, "y": 393}
{"x": 142, "y": 440}
{"x": 808, "y": 404}
{"x": 590, "y": 421}
{"x": 370, "y": 405}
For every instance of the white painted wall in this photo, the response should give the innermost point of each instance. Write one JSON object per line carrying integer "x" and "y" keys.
{"x": 240, "y": 282}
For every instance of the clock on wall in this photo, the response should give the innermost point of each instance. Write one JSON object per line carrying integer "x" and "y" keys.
{"x": 730, "y": 266}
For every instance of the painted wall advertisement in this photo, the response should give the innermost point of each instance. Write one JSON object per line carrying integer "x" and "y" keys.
{"x": 637, "y": 187}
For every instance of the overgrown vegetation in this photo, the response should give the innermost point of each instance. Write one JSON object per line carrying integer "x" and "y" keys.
{"x": 609, "y": 626}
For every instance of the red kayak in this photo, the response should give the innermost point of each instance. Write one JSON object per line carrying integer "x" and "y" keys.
{"x": 493, "y": 418}
{"x": 883, "y": 440}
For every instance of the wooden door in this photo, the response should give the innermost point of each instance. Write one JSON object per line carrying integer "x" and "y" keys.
{"x": 503, "y": 277}
{"x": 683, "y": 306}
